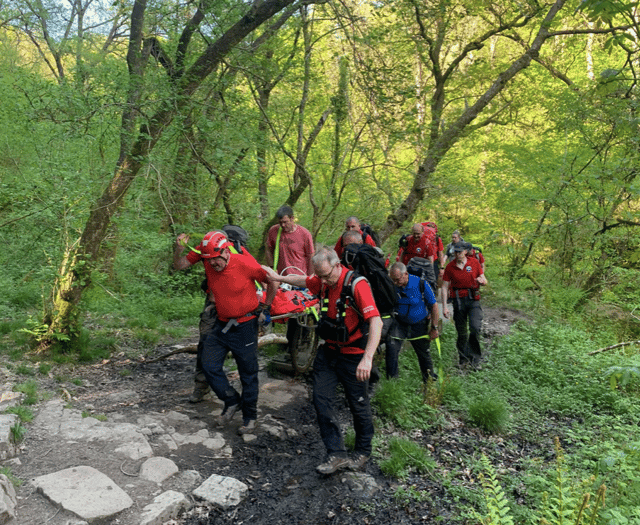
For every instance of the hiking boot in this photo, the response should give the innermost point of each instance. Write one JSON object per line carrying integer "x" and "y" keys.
{"x": 227, "y": 414}
{"x": 247, "y": 427}
{"x": 199, "y": 391}
{"x": 358, "y": 462}
{"x": 334, "y": 464}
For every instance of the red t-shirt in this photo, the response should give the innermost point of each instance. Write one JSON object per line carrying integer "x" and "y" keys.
{"x": 339, "y": 247}
{"x": 364, "y": 301}
{"x": 234, "y": 288}
{"x": 295, "y": 249}
{"x": 462, "y": 279}
{"x": 421, "y": 248}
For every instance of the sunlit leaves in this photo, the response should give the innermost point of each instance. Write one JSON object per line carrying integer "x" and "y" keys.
{"x": 605, "y": 11}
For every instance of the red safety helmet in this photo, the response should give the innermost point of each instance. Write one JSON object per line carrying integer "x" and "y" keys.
{"x": 213, "y": 244}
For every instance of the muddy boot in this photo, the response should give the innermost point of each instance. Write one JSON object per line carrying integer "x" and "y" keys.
{"x": 200, "y": 389}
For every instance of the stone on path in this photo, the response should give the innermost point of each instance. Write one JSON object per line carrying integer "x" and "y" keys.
{"x": 166, "y": 506}
{"x": 277, "y": 392}
{"x": 360, "y": 483}
{"x": 84, "y": 491}
{"x": 10, "y": 399}
{"x": 8, "y": 500}
{"x": 69, "y": 424}
{"x": 157, "y": 469}
{"x": 221, "y": 490}
{"x": 7, "y": 447}
{"x": 184, "y": 481}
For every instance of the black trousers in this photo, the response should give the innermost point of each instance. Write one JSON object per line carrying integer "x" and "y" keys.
{"x": 242, "y": 342}
{"x": 330, "y": 368}
{"x": 207, "y": 320}
{"x": 467, "y": 316}
{"x": 418, "y": 335}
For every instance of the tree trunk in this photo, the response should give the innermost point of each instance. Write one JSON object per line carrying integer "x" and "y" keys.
{"x": 75, "y": 270}
{"x": 441, "y": 143}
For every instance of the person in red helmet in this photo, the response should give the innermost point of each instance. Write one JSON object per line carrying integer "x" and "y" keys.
{"x": 231, "y": 279}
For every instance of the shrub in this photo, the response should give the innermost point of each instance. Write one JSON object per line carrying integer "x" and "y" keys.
{"x": 568, "y": 503}
{"x": 350, "y": 439}
{"x": 24, "y": 370}
{"x": 451, "y": 391}
{"x": 30, "y": 389}
{"x": 16, "y": 482}
{"x": 406, "y": 455}
{"x": 401, "y": 401}
{"x": 489, "y": 413}
{"x": 44, "y": 368}
{"x": 17, "y": 432}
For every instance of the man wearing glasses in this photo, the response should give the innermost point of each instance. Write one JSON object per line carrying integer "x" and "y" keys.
{"x": 350, "y": 327}
{"x": 231, "y": 279}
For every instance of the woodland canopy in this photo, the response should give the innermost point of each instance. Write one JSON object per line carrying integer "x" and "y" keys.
{"x": 126, "y": 123}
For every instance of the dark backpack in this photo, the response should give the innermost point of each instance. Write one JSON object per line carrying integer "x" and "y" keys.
{"x": 423, "y": 268}
{"x": 237, "y": 235}
{"x": 366, "y": 229}
{"x": 367, "y": 262}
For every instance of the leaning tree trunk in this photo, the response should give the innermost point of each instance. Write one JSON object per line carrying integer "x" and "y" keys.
{"x": 78, "y": 263}
{"x": 135, "y": 146}
{"x": 443, "y": 142}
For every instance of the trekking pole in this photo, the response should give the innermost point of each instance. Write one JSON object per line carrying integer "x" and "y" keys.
{"x": 440, "y": 371}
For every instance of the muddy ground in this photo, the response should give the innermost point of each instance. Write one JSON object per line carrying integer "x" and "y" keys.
{"x": 284, "y": 485}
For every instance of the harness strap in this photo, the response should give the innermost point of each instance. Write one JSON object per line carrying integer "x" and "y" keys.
{"x": 345, "y": 301}
{"x": 236, "y": 321}
{"x": 276, "y": 255}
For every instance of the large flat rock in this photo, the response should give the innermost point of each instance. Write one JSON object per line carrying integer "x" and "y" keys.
{"x": 84, "y": 491}
{"x": 70, "y": 425}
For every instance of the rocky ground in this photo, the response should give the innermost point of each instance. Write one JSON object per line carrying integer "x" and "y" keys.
{"x": 85, "y": 423}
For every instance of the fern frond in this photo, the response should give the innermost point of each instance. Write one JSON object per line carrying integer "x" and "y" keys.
{"x": 496, "y": 502}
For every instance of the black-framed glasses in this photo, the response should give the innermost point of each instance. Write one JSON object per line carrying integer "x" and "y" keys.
{"x": 327, "y": 275}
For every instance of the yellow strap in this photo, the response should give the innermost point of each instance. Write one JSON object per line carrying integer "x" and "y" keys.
{"x": 276, "y": 255}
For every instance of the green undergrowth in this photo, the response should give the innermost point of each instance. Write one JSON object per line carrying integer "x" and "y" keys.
{"x": 404, "y": 456}
{"x": 555, "y": 386}
{"x": 401, "y": 401}
{"x": 542, "y": 383}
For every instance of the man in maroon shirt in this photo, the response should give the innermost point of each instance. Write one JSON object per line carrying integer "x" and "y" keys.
{"x": 461, "y": 282}
{"x": 290, "y": 244}
{"x": 351, "y": 333}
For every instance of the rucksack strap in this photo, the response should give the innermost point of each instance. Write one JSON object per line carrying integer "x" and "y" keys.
{"x": 346, "y": 300}
{"x": 349, "y": 285}
{"x": 276, "y": 255}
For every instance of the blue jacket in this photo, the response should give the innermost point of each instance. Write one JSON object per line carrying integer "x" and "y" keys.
{"x": 414, "y": 306}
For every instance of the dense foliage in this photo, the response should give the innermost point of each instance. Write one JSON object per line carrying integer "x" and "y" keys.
{"x": 343, "y": 108}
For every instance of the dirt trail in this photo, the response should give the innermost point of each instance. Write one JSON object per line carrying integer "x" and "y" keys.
{"x": 284, "y": 486}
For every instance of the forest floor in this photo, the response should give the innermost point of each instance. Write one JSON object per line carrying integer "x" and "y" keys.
{"x": 284, "y": 485}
